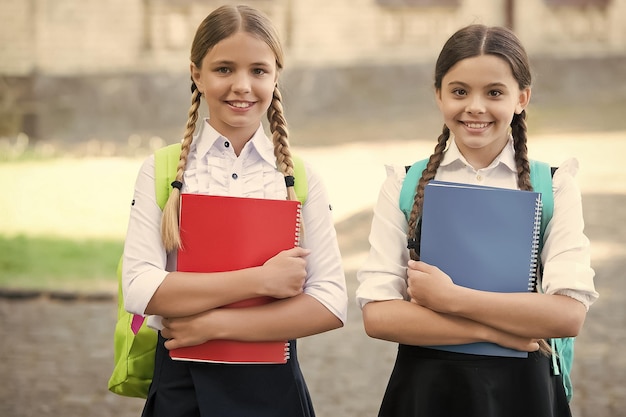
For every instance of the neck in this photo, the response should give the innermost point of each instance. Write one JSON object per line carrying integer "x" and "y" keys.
{"x": 480, "y": 158}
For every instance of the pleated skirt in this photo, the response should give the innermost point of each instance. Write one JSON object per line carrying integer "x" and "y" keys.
{"x": 433, "y": 383}
{"x": 196, "y": 389}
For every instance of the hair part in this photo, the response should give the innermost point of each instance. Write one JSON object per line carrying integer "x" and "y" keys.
{"x": 222, "y": 23}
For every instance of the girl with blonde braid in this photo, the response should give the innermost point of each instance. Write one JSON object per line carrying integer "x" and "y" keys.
{"x": 236, "y": 58}
{"x": 482, "y": 88}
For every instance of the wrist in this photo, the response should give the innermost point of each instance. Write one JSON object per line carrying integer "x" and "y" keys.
{"x": 461, "y": 301}
{"x": 454, "y": 300}
{"x": 218, "y": 328}
{"x": 257, "y": 278}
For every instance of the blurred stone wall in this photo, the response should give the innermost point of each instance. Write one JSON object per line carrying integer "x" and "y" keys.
{"x": 74, "y": 70}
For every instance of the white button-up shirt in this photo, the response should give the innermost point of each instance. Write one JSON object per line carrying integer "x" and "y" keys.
{"x": 213, "y": 168}
{"x": 565, "y": 255}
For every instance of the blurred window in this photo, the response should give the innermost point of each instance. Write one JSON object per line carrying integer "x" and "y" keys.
{"x": 596, "y": 3}
{"x": 418, "y": 3}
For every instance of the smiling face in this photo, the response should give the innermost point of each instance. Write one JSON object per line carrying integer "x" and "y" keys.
{"x": 478, "y": 98}
{"x": 237, "y": 79}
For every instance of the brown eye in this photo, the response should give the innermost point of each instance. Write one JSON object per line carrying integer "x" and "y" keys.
{"x": 459, "y": 92}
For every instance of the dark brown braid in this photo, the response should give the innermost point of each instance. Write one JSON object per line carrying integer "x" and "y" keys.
{"x": 518, "y": 131}
{"x": 428, "y": 174}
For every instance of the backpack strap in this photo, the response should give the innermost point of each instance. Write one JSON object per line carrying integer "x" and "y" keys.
{"x": 407, "y": 192}
{"x": 562, "y": 348}
{"x": 301, "y": 186}
{"x": 165, "y": 166}
{"x": 541, "y": 180}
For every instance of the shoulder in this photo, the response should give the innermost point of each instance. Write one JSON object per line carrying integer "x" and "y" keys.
{"x": 564, "y": 176}
{"x": 147, "y": 166}
{"x": 392, "y": 189}
{"x": 568, "y": 167}
{"x": 397, "y": 172}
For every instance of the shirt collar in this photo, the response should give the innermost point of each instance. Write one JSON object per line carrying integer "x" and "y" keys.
{"x": 263, "y": 145}
{"x": 506, "y": 157}
{"x": 207, "y": 136}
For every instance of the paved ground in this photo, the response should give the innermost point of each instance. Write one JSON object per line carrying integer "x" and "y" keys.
{"x": 56, "y": 354}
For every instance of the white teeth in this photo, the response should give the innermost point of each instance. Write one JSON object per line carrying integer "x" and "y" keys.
{"x": 477, "y": 125}
{"x": 239, "y": 104}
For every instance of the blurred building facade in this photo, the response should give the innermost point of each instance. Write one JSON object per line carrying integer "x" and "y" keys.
{"x": 72, "y": 69}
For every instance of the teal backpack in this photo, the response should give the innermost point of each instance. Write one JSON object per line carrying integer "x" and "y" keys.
{"x": 133, "y": 342}
{"x": 541, "y": 179}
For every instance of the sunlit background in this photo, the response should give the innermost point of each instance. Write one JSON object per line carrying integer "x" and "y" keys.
{"x": 89, "y": 88}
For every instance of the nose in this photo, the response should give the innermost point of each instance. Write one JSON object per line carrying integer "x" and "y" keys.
{"x": 475, "y": 105}
{"x": 241, "y": 83}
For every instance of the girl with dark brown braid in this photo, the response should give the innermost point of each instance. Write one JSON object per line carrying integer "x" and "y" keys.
{"x": 236, "y": 59}
{"x": 482, "y": 88}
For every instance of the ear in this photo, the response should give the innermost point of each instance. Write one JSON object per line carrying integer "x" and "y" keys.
{"x": 524, "y": 99}
{"x": 195, "y": 75}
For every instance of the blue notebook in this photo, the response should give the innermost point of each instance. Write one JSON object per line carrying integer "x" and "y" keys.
{"x": 484, "y": 238}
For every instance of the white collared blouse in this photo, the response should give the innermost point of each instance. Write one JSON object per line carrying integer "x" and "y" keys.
{"x": 214, "y": 168}
{"x": 565, "y": 255}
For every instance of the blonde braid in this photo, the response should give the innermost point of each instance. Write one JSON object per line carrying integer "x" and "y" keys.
{"x": 428, "y": 174}
{"x": 170, "y": 233}
{"x": 280, "y": 138}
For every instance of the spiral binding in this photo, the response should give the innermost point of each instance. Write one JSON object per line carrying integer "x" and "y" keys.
{"x": 287, "y": 351}
{"x": 298, "y": 222}
{"x": 296, "y": 243}
{"x": 534, "y": 256}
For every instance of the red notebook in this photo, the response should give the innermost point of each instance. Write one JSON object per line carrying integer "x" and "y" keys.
{"x": 230, "y": 233}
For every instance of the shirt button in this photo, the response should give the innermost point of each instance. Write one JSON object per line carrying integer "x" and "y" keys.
{"x": 479, "y": 177}
{"x": 235, "y": 176}
{"x": 226, "y": 144}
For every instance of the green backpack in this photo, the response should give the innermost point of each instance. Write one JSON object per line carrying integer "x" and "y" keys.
{"x": 134, "y": 342}
{"x": 541, "y": 179}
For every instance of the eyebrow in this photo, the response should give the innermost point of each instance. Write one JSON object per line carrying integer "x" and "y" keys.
{"x": 490, "y": 85}
{"x": 231, "y": 63}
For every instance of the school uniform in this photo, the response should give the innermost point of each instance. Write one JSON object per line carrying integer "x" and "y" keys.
{"x": 430, "y": 383}
{"x": 435, "y": 383}
{"x": 201, "y": 389}
{"x": 187, "y": 389}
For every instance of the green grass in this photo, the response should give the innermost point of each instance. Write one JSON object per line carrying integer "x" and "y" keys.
{"x": 58, "y": 264}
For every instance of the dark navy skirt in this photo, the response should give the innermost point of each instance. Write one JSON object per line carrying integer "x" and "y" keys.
{"x": 197, "y": 389}
{"x": 433, "y": 383}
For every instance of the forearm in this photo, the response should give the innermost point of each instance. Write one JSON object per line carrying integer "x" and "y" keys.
{"x": 525, "y": 314}
{"x": 408, "y": 323}
{"x": 286, "y": 319}
{"x": 184, "y": 294}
